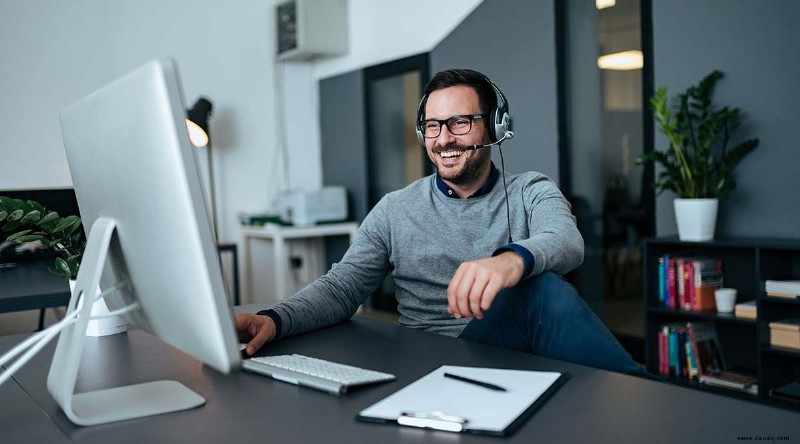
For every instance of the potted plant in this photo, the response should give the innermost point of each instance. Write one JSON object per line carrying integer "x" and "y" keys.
{"x": 698, "y": 164}
{"x": 29, "y": 221}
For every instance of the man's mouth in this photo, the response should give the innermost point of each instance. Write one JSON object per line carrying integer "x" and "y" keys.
{"x": 450, "y": 154}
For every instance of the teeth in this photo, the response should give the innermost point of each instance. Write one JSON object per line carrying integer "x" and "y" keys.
{"x": 448, "y": 154}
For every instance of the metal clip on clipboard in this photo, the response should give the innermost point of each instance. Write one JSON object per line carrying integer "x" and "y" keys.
{"x": 433, "y": 420}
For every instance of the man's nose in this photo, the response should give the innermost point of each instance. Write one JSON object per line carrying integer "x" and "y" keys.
{"x": 445, "y": 136}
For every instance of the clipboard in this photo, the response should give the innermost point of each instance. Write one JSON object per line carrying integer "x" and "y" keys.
{"x": 439, "y": 403}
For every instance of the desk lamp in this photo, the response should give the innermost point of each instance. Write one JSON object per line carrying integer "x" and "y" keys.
{"x": 197, "y": 123}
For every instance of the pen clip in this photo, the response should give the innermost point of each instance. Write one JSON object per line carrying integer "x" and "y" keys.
{"x": 433, "y": 420}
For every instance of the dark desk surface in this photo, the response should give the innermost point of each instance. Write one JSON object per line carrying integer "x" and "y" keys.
{"x": 594, "y": 406}
{"x": 32, "y": 285}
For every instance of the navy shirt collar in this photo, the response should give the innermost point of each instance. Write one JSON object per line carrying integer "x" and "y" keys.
{"x": 483, "y": 190}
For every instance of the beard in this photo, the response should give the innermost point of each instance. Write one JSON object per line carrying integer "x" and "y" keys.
{"x": 471, "y": 169}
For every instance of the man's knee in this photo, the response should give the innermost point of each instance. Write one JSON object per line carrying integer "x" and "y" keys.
{"x": 554, "y": 296}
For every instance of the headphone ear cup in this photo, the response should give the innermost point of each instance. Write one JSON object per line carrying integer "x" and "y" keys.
{"x": 502, "y": 125}
{"x": 420, "y": 136}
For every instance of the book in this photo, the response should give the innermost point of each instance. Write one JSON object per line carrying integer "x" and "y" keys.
{"x": 706, "y": 277}
{"x": 785, "y": 333}
{"x": 746, "y": 310}
{"x": 710, "y": 363}
{"x": 789, "y": 392}
{"x": 783, "y": 287}
{"x": 662, "y": 288}
{"x": 663, "y": 351}
{"x": 776, "y": 294}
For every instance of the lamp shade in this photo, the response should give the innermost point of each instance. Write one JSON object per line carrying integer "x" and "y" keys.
{"x": 197, "y": 121}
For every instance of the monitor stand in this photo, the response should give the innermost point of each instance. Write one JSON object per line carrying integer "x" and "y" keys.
{"x": 114, "y": 404}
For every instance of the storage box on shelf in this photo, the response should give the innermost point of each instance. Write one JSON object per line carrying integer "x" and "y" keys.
{"x": 747, "y": 263}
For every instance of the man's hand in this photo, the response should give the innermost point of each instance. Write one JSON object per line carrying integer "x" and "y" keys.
{"x": 254, "y": 329}
{"x": 476, "y": 283}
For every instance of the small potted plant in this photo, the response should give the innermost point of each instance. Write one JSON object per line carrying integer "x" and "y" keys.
{"x": 29, "y": 221}
{"x": 698, "y": 164}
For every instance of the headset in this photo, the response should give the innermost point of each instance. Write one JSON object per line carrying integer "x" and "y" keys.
{"x": 500, "y": 124}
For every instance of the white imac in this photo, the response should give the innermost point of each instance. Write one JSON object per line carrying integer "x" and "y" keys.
{"x": 148, "y": 232}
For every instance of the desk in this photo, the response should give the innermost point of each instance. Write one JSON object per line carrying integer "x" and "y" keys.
{"x": 32, "y": 285}
{"x": 594, "y": 406}
{"x": 279, "y": 235}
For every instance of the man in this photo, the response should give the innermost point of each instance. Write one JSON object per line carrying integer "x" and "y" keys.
{"x": 445, "y": 238}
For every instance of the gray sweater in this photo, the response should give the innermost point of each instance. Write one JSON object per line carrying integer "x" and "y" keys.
{"x": 422, "y": 236}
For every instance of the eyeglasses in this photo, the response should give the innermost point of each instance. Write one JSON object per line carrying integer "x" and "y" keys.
{"x": 457, "y": 125}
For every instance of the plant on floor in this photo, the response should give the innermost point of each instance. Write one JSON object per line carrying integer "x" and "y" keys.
{"x": 28, "y": 221}
{"x": 698, "y": 163}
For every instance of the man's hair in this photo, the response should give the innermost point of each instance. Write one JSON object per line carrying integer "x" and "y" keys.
{"x": 487, "y": 99}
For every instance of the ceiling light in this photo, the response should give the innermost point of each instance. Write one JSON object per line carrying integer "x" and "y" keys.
{"x": 622, "y": 61}
{"x": 603, "y": 4}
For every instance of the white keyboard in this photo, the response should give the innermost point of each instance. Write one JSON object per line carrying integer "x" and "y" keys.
{"x": 316, "y": 373}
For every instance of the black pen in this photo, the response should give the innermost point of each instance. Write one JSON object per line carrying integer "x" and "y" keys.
{"x": 472, "y": 381}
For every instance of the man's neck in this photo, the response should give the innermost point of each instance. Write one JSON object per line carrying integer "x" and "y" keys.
{"x": 466, "y": 190}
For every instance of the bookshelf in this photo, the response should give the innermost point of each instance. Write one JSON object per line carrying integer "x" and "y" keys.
{"x": 745, "y": 344}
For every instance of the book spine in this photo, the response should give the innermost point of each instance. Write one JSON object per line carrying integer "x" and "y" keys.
{"x": 684, "y": 371}
{"x": 690, "y": 359}
{"x": 689, "y": 285}
{"x": 671, "y": 272}
{"x": 681, "y": 283}
{"x": 673, "y": 352}
{"x": 661, "y": 288}
{"x": 663, "y": 351}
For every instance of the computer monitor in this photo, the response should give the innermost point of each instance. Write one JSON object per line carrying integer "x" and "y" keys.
{"x": 147, "y": 228}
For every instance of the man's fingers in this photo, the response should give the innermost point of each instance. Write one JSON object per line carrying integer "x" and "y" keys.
{"x": 462, "y": 293}
{"x": 452, "y": 304}
{"x": 492, "y": 288}
{"x": 476, "y": 294}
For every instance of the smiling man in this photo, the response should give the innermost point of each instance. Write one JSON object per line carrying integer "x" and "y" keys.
{"x": 447, "y": 240}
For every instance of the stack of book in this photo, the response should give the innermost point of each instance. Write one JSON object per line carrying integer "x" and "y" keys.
{"x": 783, "y": 289}
{"x": 688, "y": 283}
{"x": 788, "y": 393}
{"x": 691, "y": 351}
{"x": 785, "y": 333}
{"x": 746, "y": 310}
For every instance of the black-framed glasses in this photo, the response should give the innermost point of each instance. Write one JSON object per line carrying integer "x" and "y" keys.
{"x": 457, "y": 125}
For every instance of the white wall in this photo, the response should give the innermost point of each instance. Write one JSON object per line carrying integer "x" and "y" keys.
{"x": 53, "y": 53}
{"x": 384, "y": 30}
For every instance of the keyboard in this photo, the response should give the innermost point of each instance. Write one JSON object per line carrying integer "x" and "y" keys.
{"x": 327, "y": 376}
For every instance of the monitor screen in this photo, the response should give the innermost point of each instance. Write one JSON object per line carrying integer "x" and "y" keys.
{"x": 147, "y": 227}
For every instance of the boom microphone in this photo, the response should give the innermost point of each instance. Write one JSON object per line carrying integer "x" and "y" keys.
{"x": 508, "y": 135}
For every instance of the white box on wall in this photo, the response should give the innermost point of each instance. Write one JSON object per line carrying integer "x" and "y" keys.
{"x": 310, "y": 28}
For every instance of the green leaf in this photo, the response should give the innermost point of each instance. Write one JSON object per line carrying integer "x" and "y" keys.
{"x": 62, "y": 267}
{"x": 51, "y": 216}
{"x": 65, "y": 223}
{"x": 3, "y": 215}
{"x": 11, "y": 226}
{"x": 30, "y": 238}
{"x": 8, "y": 204}
{"x": 24, "y": 206}
{"x": 16, "y": 215}
{"x": 37, "y": 206}
{"x": 15, "y": 236}
{"x": 739, "y": 151}
{"x": 31, "y": 217}
{"x": 72, "y": 229}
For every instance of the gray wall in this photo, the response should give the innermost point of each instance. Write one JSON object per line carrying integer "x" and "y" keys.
{"x": 755, "y": 44}
{"x": 344, "y": 147}
{"x": 513, "y": 42}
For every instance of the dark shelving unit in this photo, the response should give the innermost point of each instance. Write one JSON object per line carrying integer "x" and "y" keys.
{"x": 747, "y": 264}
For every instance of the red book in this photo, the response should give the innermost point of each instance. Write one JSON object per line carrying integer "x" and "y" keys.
{"x": 671, "y": 281}
{"x": 681, "y": 283}
{"x": 689, "y": 272}
{"x": 663, "y": 351}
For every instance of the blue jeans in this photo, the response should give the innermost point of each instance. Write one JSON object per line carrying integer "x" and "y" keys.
{"x": 545, "y": 315}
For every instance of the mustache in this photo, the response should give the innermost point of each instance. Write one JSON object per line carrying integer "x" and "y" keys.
{"x": 451, "y": 147}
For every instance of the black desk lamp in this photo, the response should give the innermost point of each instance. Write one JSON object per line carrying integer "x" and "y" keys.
{"x": 197, "y": 124}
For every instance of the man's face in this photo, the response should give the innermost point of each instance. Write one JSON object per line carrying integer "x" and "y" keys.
{"x": 453, "y": 162}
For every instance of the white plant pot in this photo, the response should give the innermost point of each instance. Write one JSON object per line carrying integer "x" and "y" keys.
{"x": 105, "y": 326}
{"x": 696, "y": 218}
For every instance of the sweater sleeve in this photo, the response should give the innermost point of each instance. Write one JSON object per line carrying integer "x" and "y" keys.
{"x": 554, "y": 239}
{"x": 336, "y": 296}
